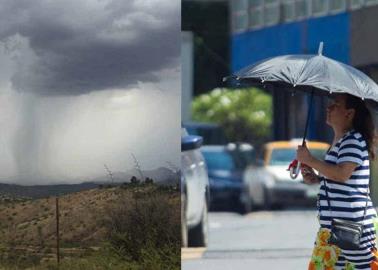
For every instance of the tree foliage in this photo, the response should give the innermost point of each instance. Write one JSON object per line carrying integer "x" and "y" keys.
{"x": 245, "y": 114}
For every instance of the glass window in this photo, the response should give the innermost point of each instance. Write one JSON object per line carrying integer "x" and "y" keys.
{"x": 255, "y": 3}
{"x": 243, "y": 158}
{"x": 354, "y": 4}
{"x": 219, "y": 160}
{"x": 239, "y": 15}
{"x": 371, "y": 2}
{"x": 319, "y": 7}
{"x": 239, "y": 5}
{"x": 271, "y": 12}
{"x": 256, "y": 8}
{"x": 288, "y": 10}
{"x": 302, "y": 8}
{"x": 337, "y": 5}
{"x": 256, "y": 18}
{"x": 284, "y": 156}
{"x": 240, "y": 22}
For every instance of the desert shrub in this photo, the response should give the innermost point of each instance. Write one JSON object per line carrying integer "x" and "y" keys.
{"x": 146, "y": 229}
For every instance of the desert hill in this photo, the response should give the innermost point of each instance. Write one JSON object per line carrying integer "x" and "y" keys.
{"x": 83, "y": 215}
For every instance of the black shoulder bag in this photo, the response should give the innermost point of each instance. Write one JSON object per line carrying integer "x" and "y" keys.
{"x": 344, "y": 233}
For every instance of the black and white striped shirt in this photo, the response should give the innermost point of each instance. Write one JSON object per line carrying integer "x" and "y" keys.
{"x": 348, "y": 199}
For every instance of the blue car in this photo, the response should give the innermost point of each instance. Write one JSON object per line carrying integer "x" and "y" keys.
{"x": 227, "y": 186}
{"x": 211, "y": 133}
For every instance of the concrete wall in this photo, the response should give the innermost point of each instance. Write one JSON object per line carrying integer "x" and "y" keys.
{"x": 364, "y": 37}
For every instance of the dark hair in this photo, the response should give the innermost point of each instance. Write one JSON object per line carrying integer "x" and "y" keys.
{"x": 362, "y": 122}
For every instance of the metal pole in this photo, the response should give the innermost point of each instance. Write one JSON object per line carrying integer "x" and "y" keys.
{"x": 57, "y": 231}
{"x": 308, "y": 117}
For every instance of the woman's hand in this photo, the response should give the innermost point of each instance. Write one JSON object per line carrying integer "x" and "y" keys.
{"x": 304, "y": 155}
{"x": 337, "y": 172}
{"x": 309, "y": 175}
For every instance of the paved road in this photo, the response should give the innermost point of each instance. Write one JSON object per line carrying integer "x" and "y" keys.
{"x": 259, "y": 240}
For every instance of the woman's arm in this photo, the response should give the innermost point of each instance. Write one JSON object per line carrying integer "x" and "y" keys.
{"x": 309, "y": 175}
{"x": 338, "y": 172}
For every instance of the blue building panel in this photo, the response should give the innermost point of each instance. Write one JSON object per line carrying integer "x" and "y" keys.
{"x": 294, "y": 38}
{"x": 302, "y": 37}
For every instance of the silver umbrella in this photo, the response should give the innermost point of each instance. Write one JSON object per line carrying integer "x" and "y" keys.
{"x": 316, "y": 74}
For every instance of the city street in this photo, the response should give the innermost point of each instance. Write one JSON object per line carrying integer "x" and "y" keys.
{"x": 259, "y": 240}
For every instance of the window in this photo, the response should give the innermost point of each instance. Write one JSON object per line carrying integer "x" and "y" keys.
{"x": 256, "y": 8}
{"x": 283, "y": 156}
{"x": 354, "y": 4}
{"x": 255, "y": 3}
{"x": 239, "y": 15}
{"x": 239, "y": 5}
{"x": 371, "y": 2}
{"x": 240, "y": 22}
{"x": 219, "y": 160}
{"x": 302, "y": 8}
{"x": 256, "y": 18}
{"x": 319, "y": 7}
{"x": 337, "y": 6}
{"x": 288, "y": 10}
{"x": 271, "y": 12}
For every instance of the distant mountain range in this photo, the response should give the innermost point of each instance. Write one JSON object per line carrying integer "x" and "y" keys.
{"x": 42, "y": 191}
{"x": 161, "y": 175}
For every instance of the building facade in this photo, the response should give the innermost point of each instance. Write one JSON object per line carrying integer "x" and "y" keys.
{"x": 267, "y": 28}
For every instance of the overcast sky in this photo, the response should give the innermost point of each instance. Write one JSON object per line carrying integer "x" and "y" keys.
{"x": 87, "y": 83}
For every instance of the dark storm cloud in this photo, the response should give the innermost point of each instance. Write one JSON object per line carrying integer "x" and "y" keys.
{"x": 83, "y": 46}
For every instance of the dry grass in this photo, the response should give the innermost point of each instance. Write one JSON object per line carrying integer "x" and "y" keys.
{"x": 27, "y": 229}
{"x": 31, "y": 222}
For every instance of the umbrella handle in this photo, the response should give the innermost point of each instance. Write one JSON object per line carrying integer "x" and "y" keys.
{"x": 294, "y": 168}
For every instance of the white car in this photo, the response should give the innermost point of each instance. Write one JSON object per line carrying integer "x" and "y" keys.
{"x": 269, "y": 182}
{"x": 194, "y": 192}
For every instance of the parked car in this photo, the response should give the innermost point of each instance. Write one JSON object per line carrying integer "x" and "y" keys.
{"x": 210, "y": 132}
{"x": 194, "y": 192}
{"x": 269, "y": 182}
{"x": 244, "y": 152}
{"x": 226, "y": 165}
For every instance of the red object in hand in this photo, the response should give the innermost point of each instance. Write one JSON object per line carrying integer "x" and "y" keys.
{"x": 294, "y": 164}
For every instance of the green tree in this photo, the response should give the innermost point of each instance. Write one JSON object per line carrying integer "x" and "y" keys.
{"x": 245, "y": 114}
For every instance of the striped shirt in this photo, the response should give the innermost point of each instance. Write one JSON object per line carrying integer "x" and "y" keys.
{"x": 348, "y": 199}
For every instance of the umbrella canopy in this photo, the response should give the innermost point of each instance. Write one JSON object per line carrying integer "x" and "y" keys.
{"x": 316, "y": 72}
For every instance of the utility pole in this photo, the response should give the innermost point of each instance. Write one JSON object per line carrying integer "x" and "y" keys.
{"x": 57, "y": 231}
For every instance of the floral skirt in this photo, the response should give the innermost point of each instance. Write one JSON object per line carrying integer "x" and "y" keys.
{"x": 325, "y": 256}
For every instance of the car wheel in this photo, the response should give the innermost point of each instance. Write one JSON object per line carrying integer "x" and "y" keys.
{"x": 198, "y": 236}
{"x": 245, "y": 204}
{"x": 184, "y": 228}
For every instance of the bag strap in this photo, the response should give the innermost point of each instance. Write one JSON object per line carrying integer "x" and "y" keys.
{"x": 329, "y": 203}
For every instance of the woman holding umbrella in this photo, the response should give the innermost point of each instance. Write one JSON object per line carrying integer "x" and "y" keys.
{"x": 345, "y": 207}
{"x": 344, "y": 178}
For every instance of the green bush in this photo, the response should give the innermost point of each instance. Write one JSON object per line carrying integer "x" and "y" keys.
{"x": 245, "y": 114}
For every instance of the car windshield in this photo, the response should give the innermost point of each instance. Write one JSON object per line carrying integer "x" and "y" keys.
{"x": 244, "y": 158}
{"x": 283, "y": 156}
{"x": 218, "y": 160}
